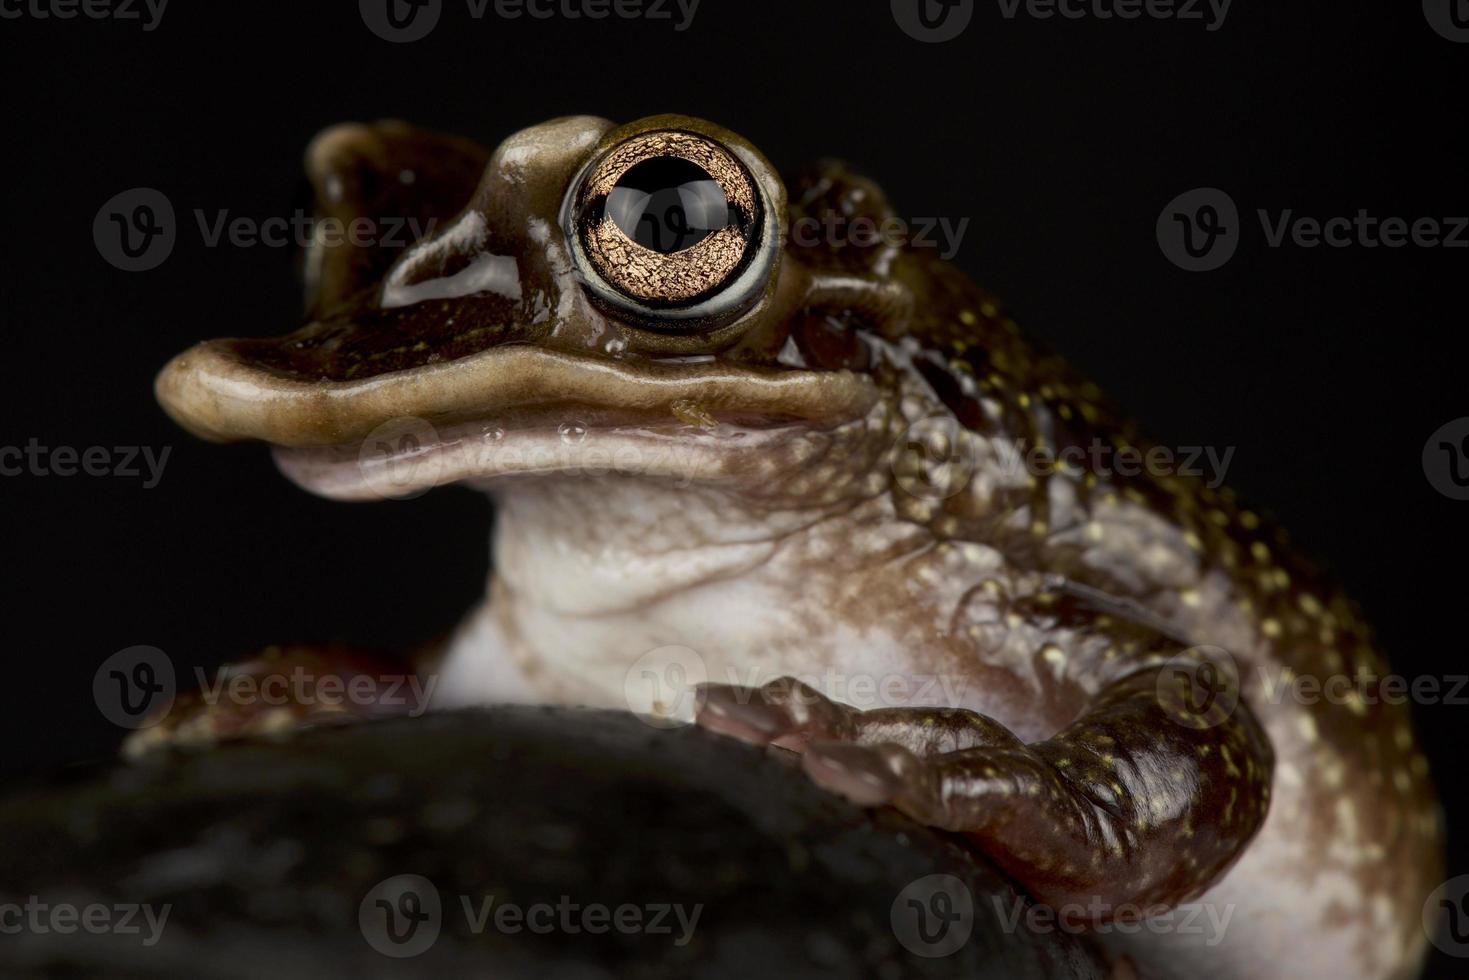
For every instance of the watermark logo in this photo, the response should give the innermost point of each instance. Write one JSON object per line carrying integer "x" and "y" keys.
{"x": 408, "y": 694}
{"x": 1446, "y": 459}
{"x": 935, "y": 458}
{"x": 1207, "y": 463}
{"x": 860, "y": 690}
{"x": 838, "y": 231}
{"x": 1361, "y": 690}
{"x": 404, "y": 21}
{"x": 134, "y": 688}
{"x": 1446, "y": 917}
{"x": 406, "y": 456}
{"x": 661, "y": 686}
{"x": 36, "y": 917}
{"x": 1450, "y": 18}
{"x": 398, "y": 460}
{"x": 128, "y": 462}
{"x": 1199, "y": 688}
{"x": 1199, "y": 230}
{"x": 135, "y": 230}
{"x": 933, "y": 21}
{"x": 933, "y": 916}
{"x": 149, "y": 13}
{"x": 401, "y": 21}
{"x": 401, "y": 916}
{"x": 1183, "y": 11}
{"x": 1206, "y": 921}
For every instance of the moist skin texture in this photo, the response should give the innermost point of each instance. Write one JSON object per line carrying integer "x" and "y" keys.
{"x": 846, "y": 480}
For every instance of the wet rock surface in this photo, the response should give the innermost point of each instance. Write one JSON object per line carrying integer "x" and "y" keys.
{"x": 506, "y": 842}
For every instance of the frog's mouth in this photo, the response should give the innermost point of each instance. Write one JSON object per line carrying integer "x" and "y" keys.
{"x": 508, "y": 410}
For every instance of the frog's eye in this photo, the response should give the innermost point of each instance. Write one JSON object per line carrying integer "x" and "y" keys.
{"x": 670, "y": 226}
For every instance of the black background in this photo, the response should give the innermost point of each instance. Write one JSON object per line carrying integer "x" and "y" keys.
{"x": 1326, "y": 369}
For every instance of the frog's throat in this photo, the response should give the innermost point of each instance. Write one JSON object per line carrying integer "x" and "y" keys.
{"x": 218, "y": 396}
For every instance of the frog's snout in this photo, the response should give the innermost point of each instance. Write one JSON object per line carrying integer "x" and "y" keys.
{"x": 632, "y": 275}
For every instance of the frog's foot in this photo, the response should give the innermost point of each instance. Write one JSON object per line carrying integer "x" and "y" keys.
{"x": 1141, "y": 803}
{"x": 282, "y": 690}
{"x": 793, "y": 715}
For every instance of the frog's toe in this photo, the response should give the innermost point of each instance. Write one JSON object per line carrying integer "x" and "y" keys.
{"x": 922, "y": 787}
{"x": 784, "y": 712}
{"x": 942, "y": 790}
{"x": 740, "y": 713}
{"x": 865, "y": 775}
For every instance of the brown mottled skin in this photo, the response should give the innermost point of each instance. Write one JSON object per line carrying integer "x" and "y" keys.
{"x": 850, "y": 500}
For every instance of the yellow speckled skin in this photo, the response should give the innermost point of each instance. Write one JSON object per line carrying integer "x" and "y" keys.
{"x": 1134, "y": 645}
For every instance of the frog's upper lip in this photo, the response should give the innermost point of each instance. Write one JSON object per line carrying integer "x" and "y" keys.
{"x": 217, "y": 394}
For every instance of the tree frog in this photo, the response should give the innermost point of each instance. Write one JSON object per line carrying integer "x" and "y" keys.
{"x": 827, "y": 478}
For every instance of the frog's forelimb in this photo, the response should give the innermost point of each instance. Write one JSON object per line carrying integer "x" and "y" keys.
{"x": 1141, "y": 803}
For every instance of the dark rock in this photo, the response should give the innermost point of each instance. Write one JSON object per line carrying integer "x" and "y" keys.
{"x": 266, "y": 852}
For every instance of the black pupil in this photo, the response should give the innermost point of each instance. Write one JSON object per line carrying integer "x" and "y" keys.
{"x": 668, "y": 204}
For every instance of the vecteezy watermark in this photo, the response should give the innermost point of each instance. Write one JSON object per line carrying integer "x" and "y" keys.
{"x": 34, "y": 459}
{"x": 247, "y": 685}
{"x": 149, "y": 13}
{"x": 932, "y": 21}
{"x": 1446, "y": 917}
{"x": 1363, "y": 230}
{"x": 136, "y": 230}
{"x": 1363, "y": 689}
{"x": 403, "y": 21}
{"x": 661, "y": 686}
{"x": 402, "y": 916}
{"x": 1205, "y": 920}
{"x": 398, "y": 459}
{"x": 935, "y": 21}
{"x": 937, "y": 457}
{"x": 933, "y": 916}
{"x": 405, "y": 457}
{"x": 303, "y": 230}
{"x": 1207, "y": 463}
{"x": 1450, "y": 18}
{"x": 1211, "y": 12}
{"x": 37, "y": 917}
{"x": 1446, "y": 459}
{"x": 1200, "y": 230}
{"x": 858, "y": 689}
{"x": 135, "y": 687}
{"x": 837, "y": 231}
{"x": 1199, "y": 687}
